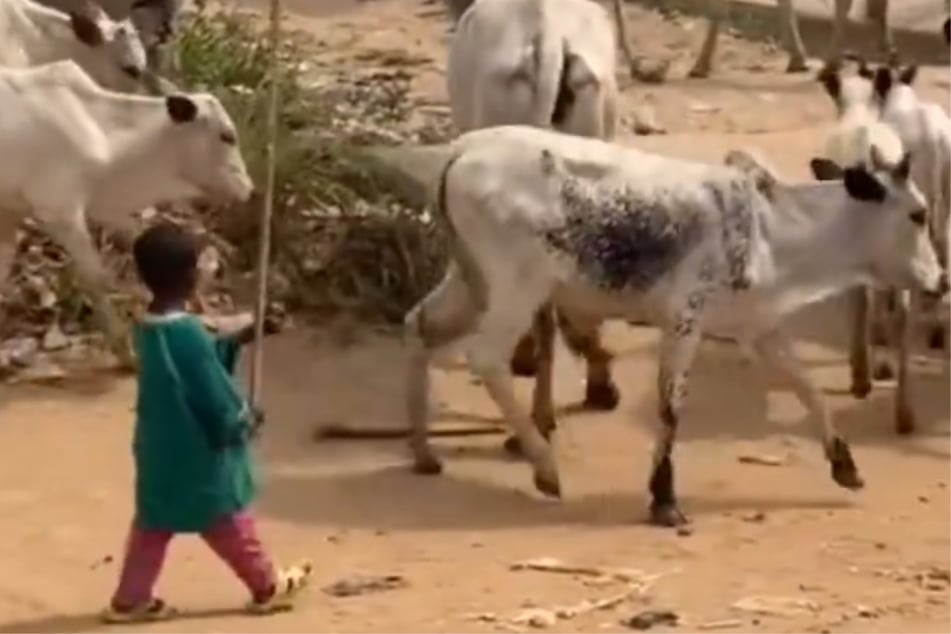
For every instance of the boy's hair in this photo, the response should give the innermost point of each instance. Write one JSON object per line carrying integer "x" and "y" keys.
{"x": 166, "y": 257}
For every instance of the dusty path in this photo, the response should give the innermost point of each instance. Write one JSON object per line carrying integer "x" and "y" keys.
{"x": 876, "y": 561}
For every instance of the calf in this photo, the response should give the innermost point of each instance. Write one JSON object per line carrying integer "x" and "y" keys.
{"x": 109, "y": 51}
{"x": 77, "y": 149}
{"x": 607, "y": 232}
{"x": 547, "y": 63}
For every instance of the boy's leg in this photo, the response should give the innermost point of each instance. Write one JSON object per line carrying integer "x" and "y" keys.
{"x": 234, "y": 539}
{"x": 144, "y": 556}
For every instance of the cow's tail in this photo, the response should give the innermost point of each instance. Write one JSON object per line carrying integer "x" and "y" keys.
{"x": 460, "y": 251}
{"x": 552, "y": 95}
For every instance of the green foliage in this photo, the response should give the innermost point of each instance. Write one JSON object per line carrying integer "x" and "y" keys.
{"x": 342, "y": 238}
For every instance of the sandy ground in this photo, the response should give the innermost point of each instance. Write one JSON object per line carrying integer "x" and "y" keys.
{"x": 873, "y": 561}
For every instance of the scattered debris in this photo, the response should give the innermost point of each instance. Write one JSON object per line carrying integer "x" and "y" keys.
{"x": 649, "y": 618}
{"x": 776, "y": 605}
{"x": 365, "y": 584}
{"x": 539, "y": 617}
{"x": 550, "y": 564}
{"x": 99, "y": 563}
{"x": 757, "y": 517}
{"x": 720, "y": 625}
{"x": 762, "y": 459}
{"x": 865, "y": 612}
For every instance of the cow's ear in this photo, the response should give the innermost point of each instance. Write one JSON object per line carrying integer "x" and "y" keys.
{"x": 883, "y": 81}
{"x": 85, "y": 28}
{"x": 908, "y": 74}
{"x": 830, "y": 80}
{"x": 862, "y": 185}
{"x": 824, "y": 169}
{"x": 181, "y": 108}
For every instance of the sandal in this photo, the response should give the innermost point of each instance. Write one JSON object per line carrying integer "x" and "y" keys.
{"x": 154, "y": 610}
{"x": 290, "y": 581}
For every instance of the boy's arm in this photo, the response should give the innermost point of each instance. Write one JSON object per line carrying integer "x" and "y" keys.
{"x": 203, "y": 364}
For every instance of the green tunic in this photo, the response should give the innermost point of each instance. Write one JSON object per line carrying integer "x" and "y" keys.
{"x": 191, "y": 433}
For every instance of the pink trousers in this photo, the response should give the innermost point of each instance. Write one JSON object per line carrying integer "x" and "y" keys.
{"x": 233, "y": 538}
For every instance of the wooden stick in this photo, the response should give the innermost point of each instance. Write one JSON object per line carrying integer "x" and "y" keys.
{"x": 267, "y": 211}
{"x": 335, "y": 431}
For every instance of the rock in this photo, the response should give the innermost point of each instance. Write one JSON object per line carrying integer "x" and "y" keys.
{"x": 645, "y": 121}
{"x": 18, "y": 352}
{"x": 649, "y": 618}
{"x": 865, "y": 611}
{"x": 42, "y": 370}
{"x": 756, "y": 518}
{"x": 54, "y": 339}
{"x": 776, "y": 605}
{"x": 650, "y": 71}
{"x": 536, "y": 617}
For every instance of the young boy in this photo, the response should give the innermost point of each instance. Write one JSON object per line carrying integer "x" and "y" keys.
{"x": 193, "y": 468}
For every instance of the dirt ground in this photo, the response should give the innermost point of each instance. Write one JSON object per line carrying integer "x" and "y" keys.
{"x": 872, "y": 561}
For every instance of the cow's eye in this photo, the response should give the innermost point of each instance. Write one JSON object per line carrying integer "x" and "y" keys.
{"x": 228, "y": 138}
{"x": 918, "y": 217}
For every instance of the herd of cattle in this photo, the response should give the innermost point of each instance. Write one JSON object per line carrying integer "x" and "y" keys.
{"x": 553, "y": 226}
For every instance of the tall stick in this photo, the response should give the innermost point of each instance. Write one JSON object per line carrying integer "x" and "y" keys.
{"x": 267, "y": 210}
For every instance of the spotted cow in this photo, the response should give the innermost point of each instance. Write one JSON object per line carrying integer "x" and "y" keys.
{"x": 604, "y": 231}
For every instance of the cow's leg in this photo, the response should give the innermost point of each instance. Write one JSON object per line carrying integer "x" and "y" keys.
{"x": 718, "y": 11}
{"x": 860, "y": 348}
{"x": 791, "y": 38}
{"x": 506, "y": 317}
{"x": 583, "y": 338}
{"x": 884, "y": 340}
{"x": 621, "y": 29}
{"x": 842, "y": 8}
{"x": 904, "y": 414}
{"x": 524, "y": 362}
{"x": 677, "y": 349}
{"x": 876, "y": 11}
{"x": 775, "y": 349}
{"x": 445, "y": 315}
{"x": 543, "y": 409}
{"x": 71, "y": 232}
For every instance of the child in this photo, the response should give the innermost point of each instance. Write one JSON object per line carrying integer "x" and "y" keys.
{"x": 193, "y": 469}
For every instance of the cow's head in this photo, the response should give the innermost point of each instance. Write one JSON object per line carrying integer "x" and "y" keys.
{"x": 112, "y": 52}
{"x": 205, "y": 148}
{"x": 896, "y": 245}
{"x": 893, "y": 87}
{"x": 848, "y": 91}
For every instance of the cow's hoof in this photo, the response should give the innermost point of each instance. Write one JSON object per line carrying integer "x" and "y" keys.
{"x": 548, "y": 485}
{"x": 883, "y": 372}
{"x": 427, "y": 465}
{"x": 512, "y": 446}
{"x": 797, "y": 65}
{"x": 523, "y": 366}
{"x": 699, "y": 72}
{"x": 667, "y": 515}
{"x": 602, "y": 397}
{"x": 936, "y": 338}
{"x": 904, "y": 421}
{"x": 861, "y": 387}
{"x": 844, "y": 471}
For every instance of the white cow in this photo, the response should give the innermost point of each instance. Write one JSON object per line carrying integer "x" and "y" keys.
{"x": 109, "y": 51}
{"x": 75, "y": 150}
{"x": 546, "y": 63}
{"x": 606, "y": 232}
{"x": 881, "y": 108}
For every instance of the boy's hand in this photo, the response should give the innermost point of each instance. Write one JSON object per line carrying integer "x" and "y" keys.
{"x": 257, "y": 420}
{"x": 274, "y": 318}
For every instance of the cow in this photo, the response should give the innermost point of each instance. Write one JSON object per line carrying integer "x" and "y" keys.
{"x": 880, "y": 107}
{"x": 877, "y": 12}
{"x": 85, "y": 153}
{"x": 109, "y": 51}
{"x": 155, "y": 20}
{"x": 546, "y": 63}
{"x": 604, "y": 231}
